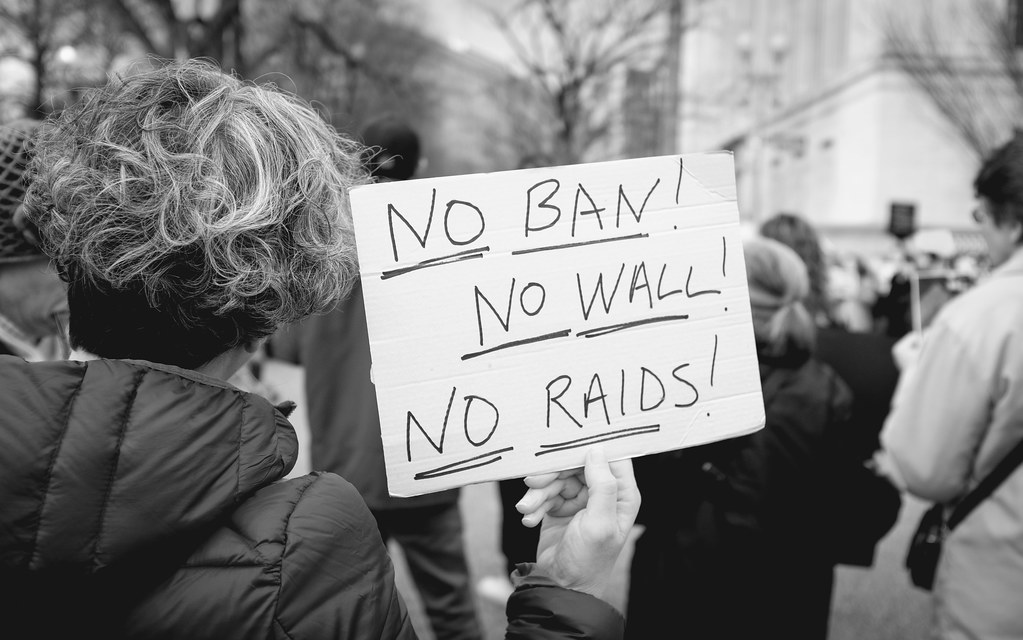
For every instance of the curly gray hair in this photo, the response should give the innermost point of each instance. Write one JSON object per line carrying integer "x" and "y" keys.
{"x": 210, "y": 196}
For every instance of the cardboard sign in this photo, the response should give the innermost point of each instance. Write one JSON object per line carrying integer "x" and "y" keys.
{"x": 517, "y": 318}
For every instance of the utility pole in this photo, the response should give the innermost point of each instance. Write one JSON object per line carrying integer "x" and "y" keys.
{"x": 671, "y": 142}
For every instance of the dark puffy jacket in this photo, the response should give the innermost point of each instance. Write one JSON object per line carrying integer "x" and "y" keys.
{"x": 145, "y": 501}
{"x": 142, "y": 501}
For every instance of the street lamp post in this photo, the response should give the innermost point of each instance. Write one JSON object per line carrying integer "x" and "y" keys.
{"x": 762, "y": 80}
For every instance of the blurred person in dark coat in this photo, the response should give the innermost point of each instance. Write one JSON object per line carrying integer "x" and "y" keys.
{"x": 737, "y": 531}
{"x": 191, "y": 214}
{"x": 864, "y": 362}
{"x": 344, "y": 424}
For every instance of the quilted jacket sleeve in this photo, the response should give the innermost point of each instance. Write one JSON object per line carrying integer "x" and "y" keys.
{"x": 337, "y": 580}
{"x": 541, "y": 610}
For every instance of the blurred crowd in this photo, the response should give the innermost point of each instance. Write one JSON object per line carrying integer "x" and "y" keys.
{"x": 875, "y": 292}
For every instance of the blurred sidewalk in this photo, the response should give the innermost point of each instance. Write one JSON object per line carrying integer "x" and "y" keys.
{"x": 878, "y": 603}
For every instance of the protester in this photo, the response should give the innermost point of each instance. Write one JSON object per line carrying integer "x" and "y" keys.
{"x": 853, "y": 290}
{"x": 738, "y": 531}
{"x": 394, "y": 147}
{"x": 33, "y": 305}
{"x": 799, "y": 235}
{"x": 863, "y": 361}
{"x": 956, "y": 413}
{"x": 344, "y": 425}
{"x": 191, "y": 214}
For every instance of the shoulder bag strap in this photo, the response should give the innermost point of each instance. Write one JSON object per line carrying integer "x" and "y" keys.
{"x": 987, "y": 485}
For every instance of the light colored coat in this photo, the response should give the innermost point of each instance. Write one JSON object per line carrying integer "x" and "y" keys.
{"x": 956, "y": 413}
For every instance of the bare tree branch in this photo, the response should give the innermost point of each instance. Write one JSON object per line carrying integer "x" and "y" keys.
{"x": 570, "y": 50}
{"x": 966, "y": 62}
{"x": 126, "y": 10}
{"x": 335, "y": 46}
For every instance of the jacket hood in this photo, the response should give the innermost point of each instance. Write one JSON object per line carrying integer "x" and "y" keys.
{"x": 106, "y": 459}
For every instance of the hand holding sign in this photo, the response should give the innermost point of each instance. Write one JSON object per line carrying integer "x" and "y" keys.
{"x": 518, "y": 318}
{"x": 585, "y": 521}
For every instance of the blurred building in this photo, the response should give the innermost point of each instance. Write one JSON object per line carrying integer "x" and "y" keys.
{"x": 822, "y": 120}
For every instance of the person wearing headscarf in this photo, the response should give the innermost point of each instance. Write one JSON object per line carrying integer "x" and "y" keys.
{"x": 739, "y": 518}
{"x": 33, "y": 302}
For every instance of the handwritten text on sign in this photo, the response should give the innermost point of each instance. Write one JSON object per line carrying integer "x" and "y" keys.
{"x": 516, "y": 318}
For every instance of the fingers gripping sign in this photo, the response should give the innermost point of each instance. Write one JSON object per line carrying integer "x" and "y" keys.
{"x": 551, "y": 492}
{"x": 586, "y": 516}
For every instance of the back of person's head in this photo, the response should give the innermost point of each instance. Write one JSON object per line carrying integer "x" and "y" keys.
{"x": 799, "y": 235}
{"x": 393, "y": 148}
{"x": 778, "y": 287}
{"x": 1000, "y": 181}
{"x": 191, "y": 212}
{"x": 16, "y": 239}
